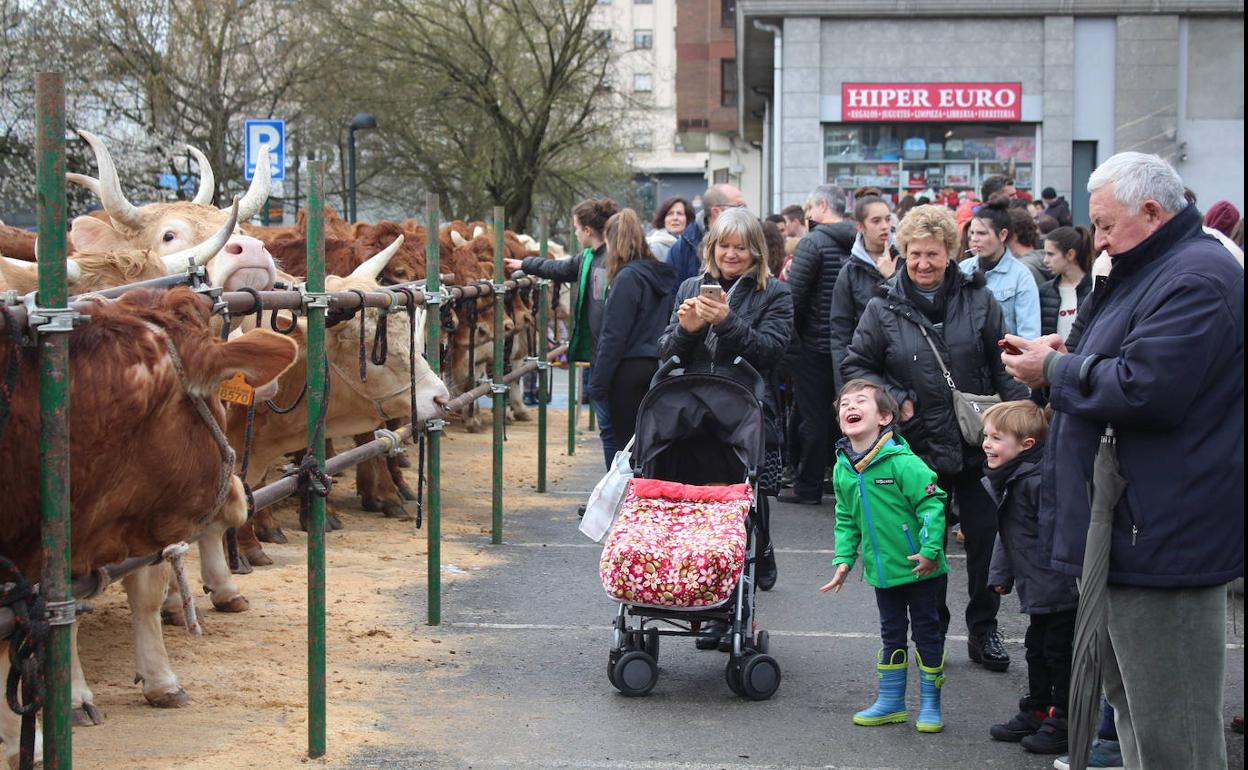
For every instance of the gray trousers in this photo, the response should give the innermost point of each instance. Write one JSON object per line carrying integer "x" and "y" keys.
{"x": 1165, "y": 676}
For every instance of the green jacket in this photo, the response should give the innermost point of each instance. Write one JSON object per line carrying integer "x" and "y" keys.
{"x": 893, "y": 508}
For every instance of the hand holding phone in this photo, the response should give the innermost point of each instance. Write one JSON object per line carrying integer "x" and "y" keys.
{"x": 1008, "y": 348}
{"x": 711, "y": 291}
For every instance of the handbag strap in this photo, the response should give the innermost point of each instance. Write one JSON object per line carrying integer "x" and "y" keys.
{"x": 944, "y": 369}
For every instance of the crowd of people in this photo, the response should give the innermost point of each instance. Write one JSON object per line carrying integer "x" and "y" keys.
{"x": 948, "y": 372}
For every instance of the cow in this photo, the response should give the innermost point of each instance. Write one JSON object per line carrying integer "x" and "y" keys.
{"x": 16, "y": 243}
{"x": 354, "y": 407}
{"x": 145, "y": 470}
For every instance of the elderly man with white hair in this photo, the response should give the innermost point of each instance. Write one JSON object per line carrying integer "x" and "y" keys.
{"x": 1161, "y": 360}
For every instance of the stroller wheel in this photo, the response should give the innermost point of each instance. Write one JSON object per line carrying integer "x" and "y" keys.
{"x": 635, "y": 674}
{"x": 760, "y": 677}
{"x": 650, "y": 643}
{"x": 732, "y": 673}
{"x": 762, "y": 641}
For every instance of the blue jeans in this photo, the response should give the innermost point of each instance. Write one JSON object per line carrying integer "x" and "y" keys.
{"x": 916, "y": 605}
{"x": 603, "y": 412}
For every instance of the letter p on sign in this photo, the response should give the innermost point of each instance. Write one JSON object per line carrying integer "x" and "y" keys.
{"x": 258, "y": 133}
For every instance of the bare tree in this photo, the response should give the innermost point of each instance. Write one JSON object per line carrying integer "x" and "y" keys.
{"x": 482, "y": 101}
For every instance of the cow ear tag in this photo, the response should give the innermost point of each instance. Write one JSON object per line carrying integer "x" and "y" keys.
{"x": 236, "y": 390}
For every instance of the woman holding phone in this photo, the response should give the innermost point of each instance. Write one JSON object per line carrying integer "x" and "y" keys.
{"x": 736, "y": 308}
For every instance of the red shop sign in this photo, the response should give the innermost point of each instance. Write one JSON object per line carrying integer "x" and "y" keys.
{"x": 931, "y": 101}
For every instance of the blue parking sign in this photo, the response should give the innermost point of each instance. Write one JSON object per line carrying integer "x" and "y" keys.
{"x": 257, "y": 133}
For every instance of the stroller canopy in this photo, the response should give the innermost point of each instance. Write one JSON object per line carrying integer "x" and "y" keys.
{"x": 698, "y": 428}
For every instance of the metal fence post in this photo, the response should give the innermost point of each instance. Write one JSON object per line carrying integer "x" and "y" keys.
{"x": 316, "y": 445}
{"x": 573, "y": 403}
{"x": 543, "y": 372}
{"x": 498, "y": 388}
{"x": 54, "y": 418}
{"x": 433, "y": 351}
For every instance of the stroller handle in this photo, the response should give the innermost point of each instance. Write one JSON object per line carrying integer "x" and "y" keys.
{"x": 756, "y": 380}
{"x": 665, "y": 368}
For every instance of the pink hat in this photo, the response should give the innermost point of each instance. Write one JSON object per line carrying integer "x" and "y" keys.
{"x": 1222, "y": 216}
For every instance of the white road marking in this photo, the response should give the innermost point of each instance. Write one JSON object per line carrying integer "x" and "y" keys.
{"x": 772, "y": 631}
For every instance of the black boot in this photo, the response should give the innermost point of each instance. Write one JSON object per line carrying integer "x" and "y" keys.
{"x": 712, "y": 633}
{"x": 1023, "y": 724}
{"x": 766, "y": 573}
{"x": 1051, "y": 737}
{"x": 988, "y": 651}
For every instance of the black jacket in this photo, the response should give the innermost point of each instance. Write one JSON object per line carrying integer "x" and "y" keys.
{"x": 638, "y": 303}
{"x": 1017, "y": 558}
{"x": 854, "y": 288}
{"x": 817, "y": 262}
{"x": 758, "y": 328}
{"x": 1059, "y": 209}
{"x": 1051, "y": 301}
{"x": 889, "y": 348}
{"x": 1169, "y": 326}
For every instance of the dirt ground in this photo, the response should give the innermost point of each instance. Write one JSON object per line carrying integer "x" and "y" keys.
{"x": 247, "y": 674}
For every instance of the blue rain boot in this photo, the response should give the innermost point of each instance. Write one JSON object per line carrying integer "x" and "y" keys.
{"x": 931, "y": 680}
{"x": 890, "y": 705}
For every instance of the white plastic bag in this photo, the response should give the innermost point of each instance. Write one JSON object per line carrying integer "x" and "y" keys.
{"x": 605, "y": 500}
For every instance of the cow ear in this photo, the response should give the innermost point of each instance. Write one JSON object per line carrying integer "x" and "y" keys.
{"x": 90, "y": 234}
{"x": 260, "y": 355}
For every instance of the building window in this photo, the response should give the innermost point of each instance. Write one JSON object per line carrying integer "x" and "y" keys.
{"x": 643, "y": 140}
{"x": 728, "y": 82}
{"x": 643, "y": 82}
{"x": 728, "y": 13}
{"x": 720, "y": 176}
{"x": 643, "y": 38}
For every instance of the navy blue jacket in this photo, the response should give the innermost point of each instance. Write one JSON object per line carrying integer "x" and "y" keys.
{"x": 1169, "y": 322}
{"x": 639, "y": 301}
{"x": 686, "y": 253}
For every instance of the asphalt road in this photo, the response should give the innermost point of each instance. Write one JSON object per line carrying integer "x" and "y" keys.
{"x": 532, "y": 691}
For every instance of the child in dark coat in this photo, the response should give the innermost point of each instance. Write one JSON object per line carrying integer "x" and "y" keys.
{"x": 1013, "y": 444}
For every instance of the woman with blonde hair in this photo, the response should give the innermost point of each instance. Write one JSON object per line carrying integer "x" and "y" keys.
{"x": 933, "y": 316}
{"x": 749, "y": 314}
{"x": 639, "y": 297}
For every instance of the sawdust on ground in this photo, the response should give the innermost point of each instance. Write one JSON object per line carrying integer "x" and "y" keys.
{"x": 247, "y": 674}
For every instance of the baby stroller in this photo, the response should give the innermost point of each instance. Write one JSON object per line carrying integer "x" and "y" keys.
{"x": 682, "y": 554}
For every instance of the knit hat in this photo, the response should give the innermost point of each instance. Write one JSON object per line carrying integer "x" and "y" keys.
{"x": 1048, "y": 193}
{"x": 1222, "y": 216}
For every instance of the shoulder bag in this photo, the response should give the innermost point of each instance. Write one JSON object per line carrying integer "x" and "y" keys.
{"x": 969, "y": 408}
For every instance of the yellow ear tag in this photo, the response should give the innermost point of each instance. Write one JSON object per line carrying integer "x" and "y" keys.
{"x": 236, "y": 391}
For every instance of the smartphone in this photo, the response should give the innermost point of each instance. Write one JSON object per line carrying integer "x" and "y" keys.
{"x": 712, "y": 291}
{"x": 1008, "y": 348}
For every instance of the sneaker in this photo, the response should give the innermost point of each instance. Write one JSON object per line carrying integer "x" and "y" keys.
{"x": 1106, "y": 755}
{"x": 1050, "y": 738}
{"x": 988, "y": 651}
{"x": 1021, "y": 725}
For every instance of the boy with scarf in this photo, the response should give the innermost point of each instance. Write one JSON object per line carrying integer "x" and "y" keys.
{"x": 1014, "y": 434}
{"x": 883, "y": 490}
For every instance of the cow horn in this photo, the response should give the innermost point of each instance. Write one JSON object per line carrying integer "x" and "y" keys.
{"x": 457, "y": 239}
{"x": 200, "y": 253}
{"x": 82, "y": 180}
{"x": 370, "y": 268}
{"x": 119, "y": 209}
{"x": 478, "y": 231}
{"x": 73, "y": 273}
{"x": 258, "y": 192}
{"x": 207, "y": 182}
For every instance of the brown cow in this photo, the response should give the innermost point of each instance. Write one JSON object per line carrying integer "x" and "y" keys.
{"x": 145, "y": 470}
{"x": 17, "y": 243}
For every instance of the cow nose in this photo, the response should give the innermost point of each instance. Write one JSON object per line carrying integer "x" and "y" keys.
{"x": 233, "y": 247}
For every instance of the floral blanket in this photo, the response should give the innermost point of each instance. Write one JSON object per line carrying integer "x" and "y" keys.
{"x": 676, "y": 545}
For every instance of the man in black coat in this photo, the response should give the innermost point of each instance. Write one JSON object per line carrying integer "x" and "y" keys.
{"x": 817, "y": 262}
{"x": 1161, "y": 360}
{"x": 1056, "y": 207}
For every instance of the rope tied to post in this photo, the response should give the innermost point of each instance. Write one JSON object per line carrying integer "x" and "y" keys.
{"x": 311, "y": 477}
{"x": 381, "y": 332}
{"x": 27, "y": 648}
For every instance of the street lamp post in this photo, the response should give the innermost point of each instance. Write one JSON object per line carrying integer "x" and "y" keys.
{"x": 363, "y": 121}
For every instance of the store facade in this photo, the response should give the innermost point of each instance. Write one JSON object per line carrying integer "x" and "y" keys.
{"x": 915, "y": 100}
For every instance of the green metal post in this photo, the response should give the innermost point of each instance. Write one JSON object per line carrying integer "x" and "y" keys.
{"x": 54, "y": 418}
{"x": 574, "y": 404}
{"x": 543, "y": 372}
{"x": 499, "y": 389}
{"x": 316, "y": 444}
{"x": 433, "y": 350}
